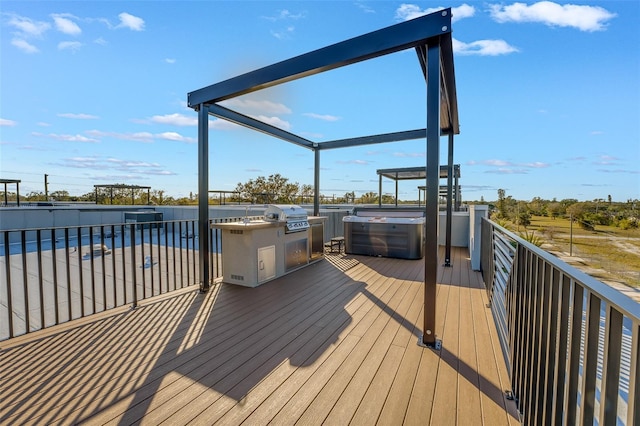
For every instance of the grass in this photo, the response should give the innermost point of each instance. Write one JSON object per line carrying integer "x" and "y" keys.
{"x": 609, "y": 253}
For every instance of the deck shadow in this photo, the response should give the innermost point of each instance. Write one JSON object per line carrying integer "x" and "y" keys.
{"x": 230, "y": 339}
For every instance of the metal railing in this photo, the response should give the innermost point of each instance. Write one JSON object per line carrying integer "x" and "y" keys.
{"x": 54, "y": 275}
{"x": 570, "y": 342}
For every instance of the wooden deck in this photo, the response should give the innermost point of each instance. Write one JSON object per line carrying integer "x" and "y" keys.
{"x": 333, "y": 343}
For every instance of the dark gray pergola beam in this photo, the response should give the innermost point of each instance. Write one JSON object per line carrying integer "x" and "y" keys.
{"x": 402, "y": 36}
{"x": 449, "y": 99}
{"x": 252, "y": 123}
{"x": 413, "y": 173}
{"x": 373, "y": 139}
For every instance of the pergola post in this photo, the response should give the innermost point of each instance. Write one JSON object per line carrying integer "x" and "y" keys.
{"x": 316, "y": 182}
{"x": 380, "y": 191}
{"x": 396, "y": 189}
{"x": 457, "y": 187}
{"x": 431, "y": 197}
{"x": 203, "y": 196}
{"x": 447, "y": 255}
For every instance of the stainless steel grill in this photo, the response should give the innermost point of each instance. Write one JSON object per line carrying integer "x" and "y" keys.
{"x": 294, "y": 217}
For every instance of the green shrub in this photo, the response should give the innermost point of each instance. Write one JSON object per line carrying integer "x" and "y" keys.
{"x": 532, "y": 238}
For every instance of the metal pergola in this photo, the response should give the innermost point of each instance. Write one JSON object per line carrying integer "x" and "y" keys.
{"x": 430, "y": 36}
{"x": 449, "y": 171}
{"x": 420, "y": 173}
{"x": 133, "y": 188}
{"x": 223, "y": 193}
{"x": 11, "y": 181}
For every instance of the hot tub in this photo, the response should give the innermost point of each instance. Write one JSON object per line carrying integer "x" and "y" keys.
{"x": 399, "y": 237}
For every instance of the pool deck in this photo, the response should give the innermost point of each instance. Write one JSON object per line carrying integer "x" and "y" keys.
{"x": 332, "y": 343}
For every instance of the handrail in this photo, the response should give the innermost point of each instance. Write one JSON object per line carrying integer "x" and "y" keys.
{"x": 49, "y": 276}
{"x": 570, "y": 342}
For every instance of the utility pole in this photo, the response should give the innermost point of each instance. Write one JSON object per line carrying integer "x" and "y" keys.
{"x": 46, "y": 187}
{"x": 571, "y": 234}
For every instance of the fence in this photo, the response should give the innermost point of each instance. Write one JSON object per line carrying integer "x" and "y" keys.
{"x": 51, "y": 276}
{"x": 570, "y": 342}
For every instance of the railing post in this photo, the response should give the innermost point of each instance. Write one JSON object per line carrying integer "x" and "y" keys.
{"x": 132, "y": 230}
{"x": 7, "y": 270}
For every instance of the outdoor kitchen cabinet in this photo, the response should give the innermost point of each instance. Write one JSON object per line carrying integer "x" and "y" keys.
{"x": 257, "y": 251}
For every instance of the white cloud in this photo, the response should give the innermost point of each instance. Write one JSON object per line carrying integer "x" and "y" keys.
{"x": 536, "y": 165}
{"x": 503, "y": 171}
{"x": 365, "y": 7}
{"x": 409, "y": 154}
{"x": 100, "y": 41}
{"x": 74, "y": 46}
{"x": 324, "y": 117}
{"x": 133, "y": 169}
{"x": 285, "y": 14}
{"x": 170, "y": 60}
{"x": 411, "y": 11}
{"x": 358, "y": 162}
{"x": 144, "y": 137}
{"x": 606, "y": 159}
{"x": 220, "y": 124}
{"x": 43, "y": 124}
{"x": 7, "y": 123}
{"x": 82, "y": 162}
{"x": 28, "y": 27}
{"x": 284, "y": 33}
{"x": 137, "y": 167}
{"x": 507, "y": 167}
{"x": 175, "y": 119}
{"x": 24, "y": 45}
{"x": 78, "y": 116}
{"x": 483, "y": 47}
{"x": 66, "y": 25}
{"x": 582, "y": 17}
{"x": 127, "y": 20}
{"x": 69, "y": 138}
{"x": 275, "y": 121}
{"x": 177, "y": 137}
{"x": 265, "y": 107}
{"x": 130, "y": 163}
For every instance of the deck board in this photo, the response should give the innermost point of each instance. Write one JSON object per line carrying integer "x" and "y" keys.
{"x": 335, "y": 342}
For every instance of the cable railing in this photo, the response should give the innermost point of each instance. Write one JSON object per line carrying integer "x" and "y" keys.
{"x": 571, "y": 342}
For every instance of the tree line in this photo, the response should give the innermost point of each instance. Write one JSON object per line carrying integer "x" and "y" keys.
{"x": 587, "y": 214}
{"x": 277, "y": 189}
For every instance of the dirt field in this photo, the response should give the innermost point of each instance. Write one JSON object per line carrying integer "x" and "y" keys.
{"x": 609, "y": 254}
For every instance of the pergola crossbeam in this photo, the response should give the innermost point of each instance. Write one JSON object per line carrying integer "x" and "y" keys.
{"x": 416, "y": 32}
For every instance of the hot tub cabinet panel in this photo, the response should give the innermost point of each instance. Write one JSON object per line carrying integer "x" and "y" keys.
{"x": 388, "y": 237}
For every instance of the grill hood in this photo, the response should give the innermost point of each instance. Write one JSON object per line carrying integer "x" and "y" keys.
{"x": 295, "y": 217}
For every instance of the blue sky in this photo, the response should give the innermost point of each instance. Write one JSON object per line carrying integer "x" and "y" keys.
{"x": 95, "y": 92}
